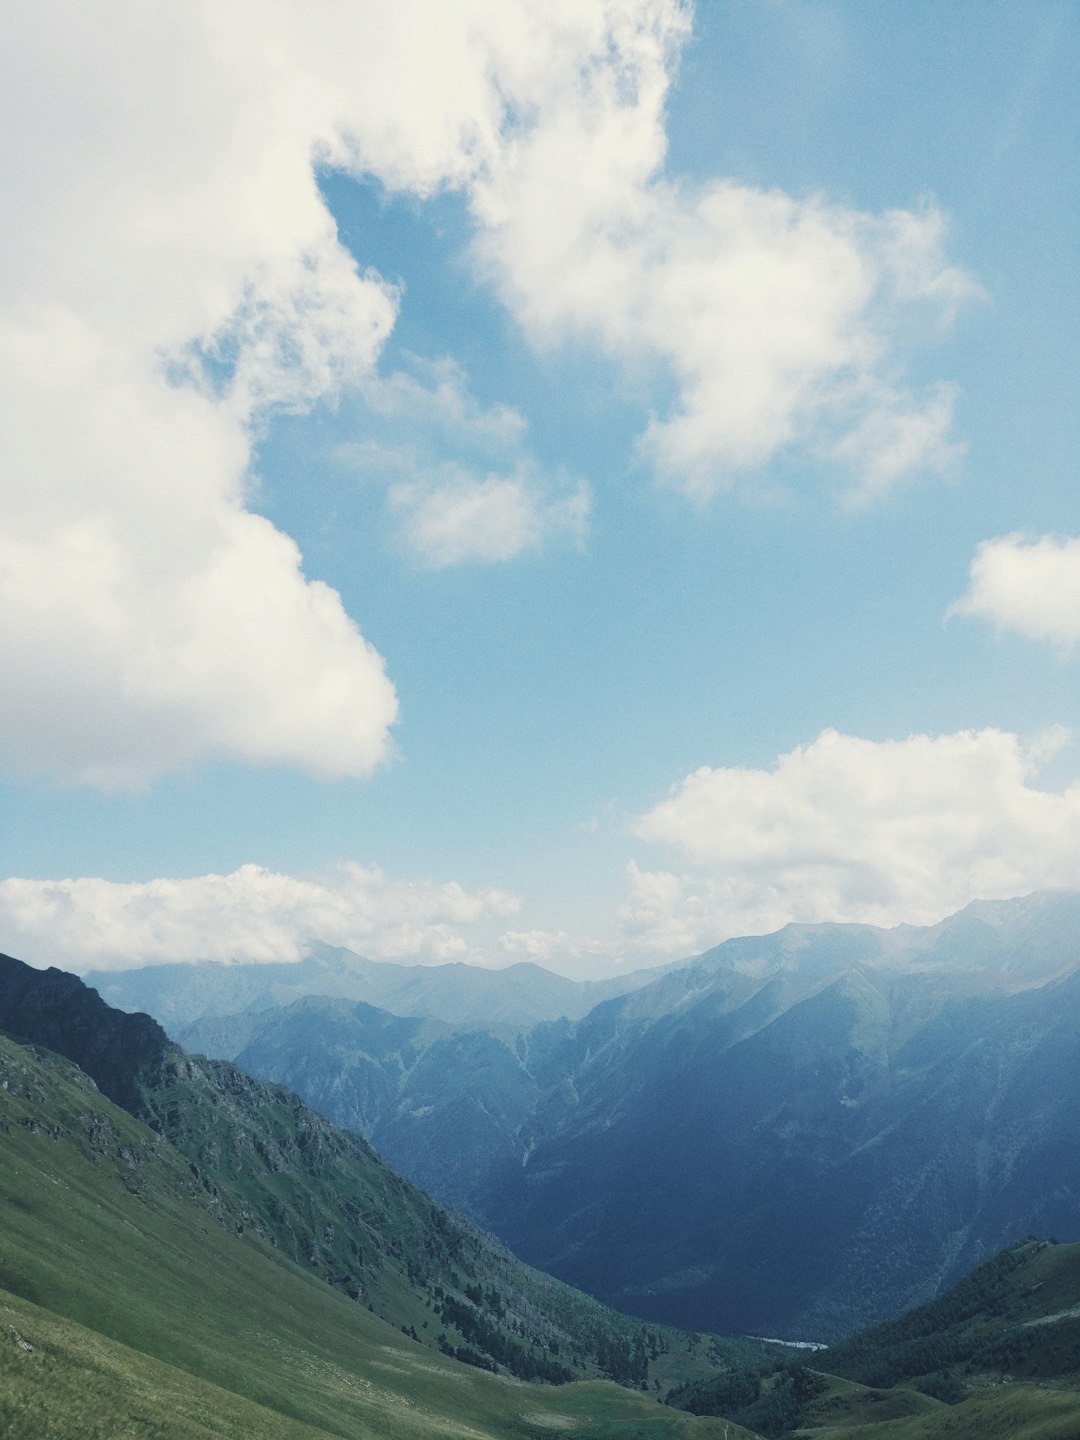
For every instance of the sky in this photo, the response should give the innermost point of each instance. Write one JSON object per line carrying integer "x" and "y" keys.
{"x": 573, "y": 482}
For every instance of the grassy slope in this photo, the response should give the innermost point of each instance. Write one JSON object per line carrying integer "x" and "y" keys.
{"x": 1002, "y": 1412}
{"x": 98, "y": 1229}
{"x": 264, "y": 1163}
{"x": 1019, "y": 1314}
{"x": 67, "y": 1382}
{"x": 1008, "y": 1334}
{"x": 1003, "y": 1345}
{"x": 271, "y": 1166}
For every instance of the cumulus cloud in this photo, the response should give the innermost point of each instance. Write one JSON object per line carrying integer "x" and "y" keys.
{"x": 778, "y": 318}
{"x": 251, "y": 915}
{"x": 170, "y": 278}
{"x": 852, "y": 829}
{"x": 1029, "y": 585}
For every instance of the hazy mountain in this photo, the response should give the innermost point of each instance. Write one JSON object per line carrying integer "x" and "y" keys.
{"x": 465, "y": 995}
{"x": 798, "y": 1165}
{"x": 794, "y": 1133}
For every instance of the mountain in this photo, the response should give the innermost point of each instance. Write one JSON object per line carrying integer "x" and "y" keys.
{"x": 443, "y": 1104}
{"x": 793, "y": 1134}
{"x": 463, "y": 995}
{"x": 135, "y": 1300}
{"x": 144, "y": 1293}
{"x": 807, "y": 1164}
{"x": 996, "y": 1355}
{"x": 262, "y": 1163}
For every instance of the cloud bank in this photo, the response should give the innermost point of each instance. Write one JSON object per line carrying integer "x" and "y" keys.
{"x": 850, "y": 829}
{"x": 252, "y": 915}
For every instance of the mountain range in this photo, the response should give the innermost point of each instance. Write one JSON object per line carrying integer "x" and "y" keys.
{"x": 202, "y": 1255}
{"x": 506, "y": 1000}
{"x": 793, "y": 1134}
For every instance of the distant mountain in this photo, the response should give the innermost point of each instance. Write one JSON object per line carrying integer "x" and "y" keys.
{"x": 800, "y": 1172}
{"x": 807, "y": 1131}
{"x": 793, "y": 1134}
{"x": 463, "y": 995}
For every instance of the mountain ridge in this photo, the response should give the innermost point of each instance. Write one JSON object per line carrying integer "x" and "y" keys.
{"x": 261, "y": 1161}
{"x": 725, "y": 1091}
{"x": 513, "y": 997}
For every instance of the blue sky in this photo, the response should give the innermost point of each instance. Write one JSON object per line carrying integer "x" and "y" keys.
{"x": 682, "y": 406}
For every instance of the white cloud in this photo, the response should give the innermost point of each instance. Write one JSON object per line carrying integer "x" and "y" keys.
{"x": 899, "y": 438}
{"x": 539, "y": 946}
{"x": 453, "y": 517}
{"x": 159, "y": 171}
{"x": 854, "y": 829}
{"x": 251, "y": 915}
{"x": 1030, "y": 586}
{"x": 491, "y": 503}
{"x": 170, "y": 276}
{"x": 779, "y": 319}
{"x": 435, "y": 396}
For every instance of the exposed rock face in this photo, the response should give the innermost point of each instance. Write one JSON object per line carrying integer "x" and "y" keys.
{"x": 55, "y": 1009}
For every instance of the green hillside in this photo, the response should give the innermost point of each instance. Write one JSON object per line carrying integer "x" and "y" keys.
{"x": 238, "y": 1267}
{"x": 998, "y": 1355}
{"x": 1017, "y": 1316}
{"x": 266, "y": 1166}
{"x": 129, "y": 1309}
{"x": 1000, "y": 1412}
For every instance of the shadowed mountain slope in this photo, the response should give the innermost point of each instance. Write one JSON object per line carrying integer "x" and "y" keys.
{"x": 796, "y": 1133}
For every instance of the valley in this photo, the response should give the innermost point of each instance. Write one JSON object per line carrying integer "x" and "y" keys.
{"x": 795, "y": 1135}
{"x": 184, "y": 1239}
